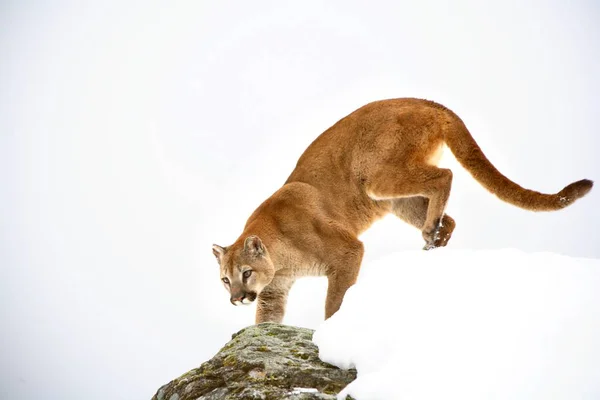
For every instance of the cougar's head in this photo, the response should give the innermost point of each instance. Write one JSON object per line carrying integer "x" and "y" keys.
{"x": 246, "y": 269}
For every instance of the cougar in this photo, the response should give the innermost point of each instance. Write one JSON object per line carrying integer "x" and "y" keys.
{"x": 380, "y": 159}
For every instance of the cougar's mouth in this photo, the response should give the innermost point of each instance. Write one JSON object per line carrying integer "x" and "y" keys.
{"x": 246, "y": 299}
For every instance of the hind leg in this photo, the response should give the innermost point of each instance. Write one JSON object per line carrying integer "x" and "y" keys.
{"x": 413, "y": 210}
{"x": 432, "y": 183}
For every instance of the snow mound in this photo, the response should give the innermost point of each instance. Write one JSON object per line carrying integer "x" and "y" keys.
{"x": 451, "y": 324}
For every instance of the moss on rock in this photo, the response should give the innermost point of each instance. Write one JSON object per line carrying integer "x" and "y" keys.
{"x": 262, "y": 362}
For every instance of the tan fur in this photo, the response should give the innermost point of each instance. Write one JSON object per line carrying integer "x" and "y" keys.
{"x": 381, "y": 158}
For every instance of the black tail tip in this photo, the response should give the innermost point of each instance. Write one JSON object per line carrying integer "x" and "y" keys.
{"x": 574, "y": 191}
{"x": 582, "y": 187}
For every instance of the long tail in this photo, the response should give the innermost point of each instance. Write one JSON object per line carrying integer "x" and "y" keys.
{"x": 470, "y": 156}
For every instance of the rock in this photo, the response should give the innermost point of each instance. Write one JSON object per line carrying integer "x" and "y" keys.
{"x": 262, "y": 362}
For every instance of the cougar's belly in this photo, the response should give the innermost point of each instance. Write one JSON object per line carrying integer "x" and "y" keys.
{"x": 435, "y": 155}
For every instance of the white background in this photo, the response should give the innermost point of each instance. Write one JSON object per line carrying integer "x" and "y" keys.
{"x": 133, "y": 135}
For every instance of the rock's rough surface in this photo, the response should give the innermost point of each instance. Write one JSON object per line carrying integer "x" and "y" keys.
{"x": 267, "y": 362}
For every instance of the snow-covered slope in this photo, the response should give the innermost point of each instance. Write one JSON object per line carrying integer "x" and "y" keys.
{"x": 470, "y": 325}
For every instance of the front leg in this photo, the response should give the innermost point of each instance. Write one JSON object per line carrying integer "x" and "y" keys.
{"x": 342, "y": 273}
{"x": 273, "y": 299}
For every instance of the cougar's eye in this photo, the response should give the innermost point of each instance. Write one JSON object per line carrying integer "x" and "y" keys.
{"x": 247, "y": 274}
{"x": 226, "y": 281}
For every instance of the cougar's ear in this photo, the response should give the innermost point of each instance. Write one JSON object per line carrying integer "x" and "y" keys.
{"x": 254, "y": 246}
{"x": 218, "y": 251}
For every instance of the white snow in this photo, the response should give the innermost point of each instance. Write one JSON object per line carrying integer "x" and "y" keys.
{"x": 304, "y": 390}
{"x": 451, "y": 324}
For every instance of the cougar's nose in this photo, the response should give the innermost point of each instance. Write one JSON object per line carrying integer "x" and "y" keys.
{"x": 238, "y": 298}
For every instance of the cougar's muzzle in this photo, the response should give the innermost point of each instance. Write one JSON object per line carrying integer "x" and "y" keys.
{"x": 242, "y": 298}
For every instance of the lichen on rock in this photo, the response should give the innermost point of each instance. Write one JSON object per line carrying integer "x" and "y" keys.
{"x": 262, "y": 362}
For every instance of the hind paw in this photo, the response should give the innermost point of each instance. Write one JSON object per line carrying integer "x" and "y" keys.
{"x": 439, "y": 236}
